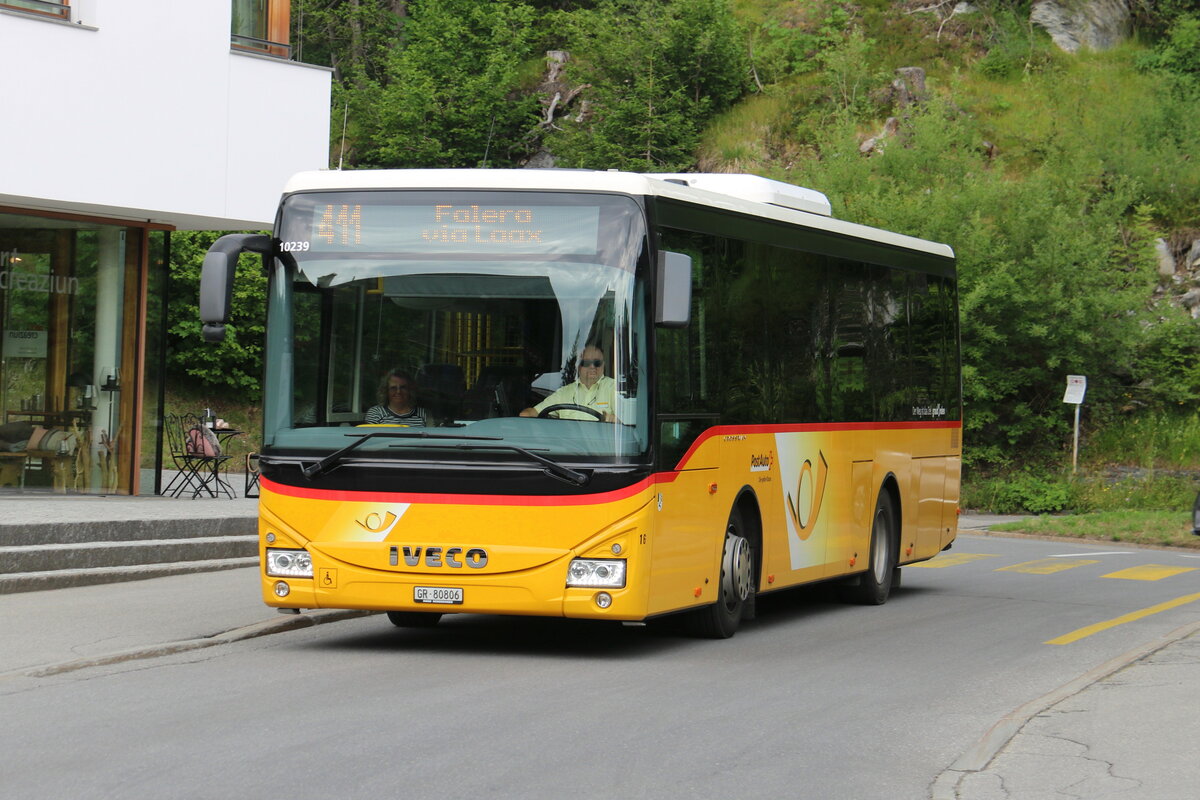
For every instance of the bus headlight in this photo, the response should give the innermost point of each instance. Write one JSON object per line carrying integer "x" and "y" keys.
{"x": 607, "y": 572}
{"x": 289, "y": 563}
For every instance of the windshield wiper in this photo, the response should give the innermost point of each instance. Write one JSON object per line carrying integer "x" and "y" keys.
{"x": 553, "y": 468}
{"x": 330, "y": 461}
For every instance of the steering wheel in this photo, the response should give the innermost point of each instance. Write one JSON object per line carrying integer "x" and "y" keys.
{"x": 545, "y": 412}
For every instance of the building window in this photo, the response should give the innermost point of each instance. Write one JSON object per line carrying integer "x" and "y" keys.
{"x": 72, "y": 352}
{"x": 59, "y": 9}
{"x": 261, "y": 26}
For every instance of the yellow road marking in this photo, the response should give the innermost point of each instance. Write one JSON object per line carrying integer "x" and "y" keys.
{"x": 1148, "y": 572}
{"x": 1048, "y": 566}
{"x": 951, "y": 560}
{"x": 1082, "y": 633}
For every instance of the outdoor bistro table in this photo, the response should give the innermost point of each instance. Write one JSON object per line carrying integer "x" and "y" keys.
{"x": 224, "y": 436}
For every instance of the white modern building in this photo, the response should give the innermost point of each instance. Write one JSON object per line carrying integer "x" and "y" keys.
{"x": 120, "y": 121}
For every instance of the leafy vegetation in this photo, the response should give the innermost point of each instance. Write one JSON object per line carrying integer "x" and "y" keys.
{"x": 1052, "y": 175}
{"x": 657, "y": 73}
{"x": 450, "y": 97}
{"x": 1040, "y": 492}
{"x": 1169, "y": 529}
{"x": 234, "y": 367}
{"x": 1142, "y": 463}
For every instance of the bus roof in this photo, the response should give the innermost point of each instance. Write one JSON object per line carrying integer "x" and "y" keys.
{"x": 742, "y": 194}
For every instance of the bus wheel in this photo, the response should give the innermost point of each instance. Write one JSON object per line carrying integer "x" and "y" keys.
{"x": 721, "y": 619}
{"x": 413, "y": 619}
{"x": 873, "y": 586}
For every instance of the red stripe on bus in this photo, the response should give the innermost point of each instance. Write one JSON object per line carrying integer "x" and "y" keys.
{"x": 466, "y": 499}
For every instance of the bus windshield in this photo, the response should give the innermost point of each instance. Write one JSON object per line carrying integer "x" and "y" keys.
{"x": 490, "y": 325}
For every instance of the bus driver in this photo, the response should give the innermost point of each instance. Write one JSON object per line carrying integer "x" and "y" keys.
{"x": 592, "y": 388}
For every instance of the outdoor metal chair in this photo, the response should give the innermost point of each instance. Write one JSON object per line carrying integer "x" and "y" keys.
{"x": 199, "y": 472}
{"x": 252, "y": 475}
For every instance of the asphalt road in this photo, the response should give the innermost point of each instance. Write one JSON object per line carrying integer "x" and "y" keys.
{"x": 814, "y": 699}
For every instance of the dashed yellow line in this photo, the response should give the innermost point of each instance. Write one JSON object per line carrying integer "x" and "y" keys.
{"x": 1148, "y": 572}
{"x": 1083, "y": 633}
{"x": 953, "y": 560}
{"x": 1048, "y": 566}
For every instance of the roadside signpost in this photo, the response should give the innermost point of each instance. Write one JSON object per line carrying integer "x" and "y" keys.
{"x": 1076, "y": 389}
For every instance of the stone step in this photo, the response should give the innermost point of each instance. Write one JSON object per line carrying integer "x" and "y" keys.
{"x": 100, "y": 554}
{"x": 18, "y": 534}
{"x": 63, "y": 578}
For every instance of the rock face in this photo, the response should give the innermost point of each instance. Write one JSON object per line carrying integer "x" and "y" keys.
{"x": 1192, "y": 260}
{"x": 1094, "y": 24}
{"x": 1166, "y": 259}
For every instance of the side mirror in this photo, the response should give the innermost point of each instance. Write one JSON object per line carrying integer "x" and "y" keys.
{"x": 1196, "y": 516}
{"x": 673, "y": 305}
{"x": 216, "y": 278}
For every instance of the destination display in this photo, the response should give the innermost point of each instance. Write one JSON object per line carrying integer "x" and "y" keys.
{"x": 449, "y": 226}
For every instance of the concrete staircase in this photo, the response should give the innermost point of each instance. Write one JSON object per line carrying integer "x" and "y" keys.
{"x": 37, "y": 555}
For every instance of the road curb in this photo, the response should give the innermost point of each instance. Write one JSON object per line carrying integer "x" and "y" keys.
{"x": 979, "y": 756}
{"x": 1045, "y": 537}
{"x": 264, "y": 628}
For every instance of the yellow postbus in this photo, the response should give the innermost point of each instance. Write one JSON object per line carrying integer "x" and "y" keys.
{"x": 598, "y": 395}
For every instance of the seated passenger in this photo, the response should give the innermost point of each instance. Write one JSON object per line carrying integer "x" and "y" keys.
{"x": 592, "y": 388}
{"x": 398, "y": 394}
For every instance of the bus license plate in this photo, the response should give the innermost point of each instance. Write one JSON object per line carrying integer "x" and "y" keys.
{"x": 439, "y": 595}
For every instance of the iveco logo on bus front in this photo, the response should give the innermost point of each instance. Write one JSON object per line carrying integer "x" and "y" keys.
{"x": 437, "y": 557}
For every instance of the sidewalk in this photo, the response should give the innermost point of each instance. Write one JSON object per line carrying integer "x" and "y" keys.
{"x": 1128, "y": 729}
{"x": 62, "y": 630}
{"x": 56, "y": 630}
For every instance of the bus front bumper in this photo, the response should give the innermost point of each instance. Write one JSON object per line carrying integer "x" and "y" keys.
{"x": 541, "y": 591}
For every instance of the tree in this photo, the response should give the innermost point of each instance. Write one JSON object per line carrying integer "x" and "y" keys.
{"x": 236, "y": 363}
{"x": 658, "y": 70}
{"x": 352, "y": 36}
{"x": 450, "y": 95}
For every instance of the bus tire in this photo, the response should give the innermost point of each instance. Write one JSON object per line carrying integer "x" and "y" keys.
{"x": 721, "y": 619}
{"x": 872, "y": 587}
{"x": 413, "y": 619}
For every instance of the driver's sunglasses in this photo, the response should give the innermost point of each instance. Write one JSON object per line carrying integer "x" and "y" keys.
{"x": 592, "y": 362}
{"x": 401, "y": 388}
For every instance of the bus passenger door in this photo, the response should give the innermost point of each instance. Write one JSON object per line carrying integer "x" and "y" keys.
{"x": 929, "y": 488}
{"x": 689, "y": 518}
{"x": 850, "y": 541}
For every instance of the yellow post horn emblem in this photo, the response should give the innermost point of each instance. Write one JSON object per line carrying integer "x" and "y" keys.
{"x": 376, "y": 524}
{"x": 806, "y": 522}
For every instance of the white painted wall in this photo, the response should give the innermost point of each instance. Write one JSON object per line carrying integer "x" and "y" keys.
{"x": 143, "y": 112}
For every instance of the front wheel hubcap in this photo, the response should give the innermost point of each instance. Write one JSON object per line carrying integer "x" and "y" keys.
{"x": 881, "y": 545}
{"x": 736, "y": 569}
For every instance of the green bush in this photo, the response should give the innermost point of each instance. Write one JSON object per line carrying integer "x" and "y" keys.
{"x": 1021, "y": 493}
{"x": 1150, "y": 439}
{"x": 1179, "y": 52}
{"x": 1167, "y": 361}
{"x": 1016, "y": 47}
{"x": 1150, "y": 492}
{"x": 1028, "y": 492}
{"x": 234, "y": 364}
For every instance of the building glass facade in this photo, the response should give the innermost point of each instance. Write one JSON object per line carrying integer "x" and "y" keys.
{"x": 81, "y": 351}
